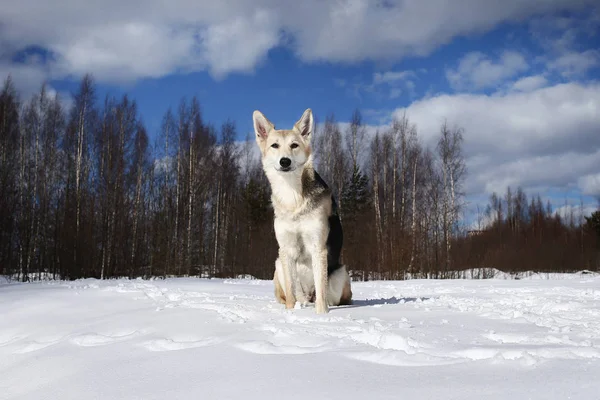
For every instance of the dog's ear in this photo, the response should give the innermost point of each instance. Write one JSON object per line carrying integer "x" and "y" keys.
{"x": 305, "y": 125}
{"x": 262, "y": 126}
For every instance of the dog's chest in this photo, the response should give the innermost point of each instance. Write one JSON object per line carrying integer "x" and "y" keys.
{"x": 287, "y": 195}
{"x": 299, "y": 234}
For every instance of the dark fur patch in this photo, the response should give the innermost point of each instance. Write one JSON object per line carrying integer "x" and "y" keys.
{"x": 314, "y": 187}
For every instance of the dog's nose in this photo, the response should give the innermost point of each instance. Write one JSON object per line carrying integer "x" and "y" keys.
{"x": 285, "y": 162}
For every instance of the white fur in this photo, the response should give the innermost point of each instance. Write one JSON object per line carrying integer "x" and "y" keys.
{"x": 295, "y": 259}
{"x": 305, "y": 278}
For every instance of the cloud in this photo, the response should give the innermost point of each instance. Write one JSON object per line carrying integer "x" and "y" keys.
{"x": 226, "y": 53}
{"x": 477, "y": 71}
{"x": 569, "y": 42}
{"x": 572, "y": 64}
{"x": 382, "y": 85}
{"x": 560, "y": 33}
{"x": 27, "y": 78}
{"x": 394, "y": 83}
{"x": 392, "y": 76}
{"x": 349, "y": 31}
{"x": 395, "y": 93}
{"x": 123, "y": 52}
{"x": 128, "y": 40}
{"x": 575, "y": 211}
{"x": 529, "y": 83}
{"x": 590, "y": 184}
{"x": 540, "y": 138}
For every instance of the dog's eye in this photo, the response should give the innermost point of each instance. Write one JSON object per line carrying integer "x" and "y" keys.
{"x": 275, "y": 146}
{"x": 294, "y": 145}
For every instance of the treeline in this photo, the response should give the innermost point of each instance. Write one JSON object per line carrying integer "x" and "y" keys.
{"x": 85, "y": 193}
{"x": 524, "y": 234}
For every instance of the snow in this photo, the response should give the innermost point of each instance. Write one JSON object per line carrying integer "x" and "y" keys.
{"x": 187, "y": 338}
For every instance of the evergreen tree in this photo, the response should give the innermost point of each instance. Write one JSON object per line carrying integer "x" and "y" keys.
{"x": 258, "y": 202}
{"x": 593, "y": 222}
{"x": 355, "y": 197}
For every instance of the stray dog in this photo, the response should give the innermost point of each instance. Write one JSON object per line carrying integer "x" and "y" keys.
{"x": 307, "y": 225}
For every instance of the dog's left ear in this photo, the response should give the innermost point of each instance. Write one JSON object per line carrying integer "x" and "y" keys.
{"x": 305, "y": 125}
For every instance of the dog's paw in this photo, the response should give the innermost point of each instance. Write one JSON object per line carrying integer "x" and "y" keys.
{"x": 322, "y": 308}
{"x": 289, "y": 305}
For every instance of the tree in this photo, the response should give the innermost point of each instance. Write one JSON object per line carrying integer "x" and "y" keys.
{"x": 376, "y": 166}
{"x": 138, "y": 174}
{"x": 332, "y": 162}
{"x": 355, "y": 197}
{"x": 9, "y": 144}
{"x": 354, "y": 137}
{"x": 593, "y": 222}
{"x": 453, "y": 169}
{"x": 76, "y": 148}
{"x": 225, "y": 201}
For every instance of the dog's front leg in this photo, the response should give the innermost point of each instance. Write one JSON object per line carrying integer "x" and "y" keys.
{"x": 319, "y": 264}
{"x": 315, "y": 237}
{"x": 288, "y": 262}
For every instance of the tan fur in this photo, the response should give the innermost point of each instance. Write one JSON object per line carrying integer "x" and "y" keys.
{"x": 279, "y": 293}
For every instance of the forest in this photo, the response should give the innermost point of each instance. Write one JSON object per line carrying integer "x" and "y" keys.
{"x": 85, "y": 192}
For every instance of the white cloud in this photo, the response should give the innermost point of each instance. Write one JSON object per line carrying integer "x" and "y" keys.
{"x": 126, "y": 51}
{"x": 394, "y": 83}
{"x": 575, "y": 211}
{"x": 27, "y": 78}
{"x": 546, "y": 137}
{"x": 529, "y": 83}
{"x": 357, "y": 29}
{"x": 590, "y": 184}
{"x": 226, "y": 53}
{"x": 477, "y": 71}
{"x": 574, "y": 63}
{"x": 536, "y": 172}
{"x": 125, "y": 40}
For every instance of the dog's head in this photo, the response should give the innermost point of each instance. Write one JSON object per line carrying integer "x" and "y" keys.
{"x": 284, "y": 150}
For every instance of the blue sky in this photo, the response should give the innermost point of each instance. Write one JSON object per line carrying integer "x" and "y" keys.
{"x": 520, "y": 76}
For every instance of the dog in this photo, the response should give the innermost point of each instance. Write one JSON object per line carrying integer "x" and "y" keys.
{"x": 307, "y": 225}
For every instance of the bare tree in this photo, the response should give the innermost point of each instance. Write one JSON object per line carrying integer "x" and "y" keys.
{"x": 376, "y": 166}
{"x": 354, "y": 138}
{"x": 138, "y": 174}
{"x": 453, "y": 170}
{"x": 81, "y": 120}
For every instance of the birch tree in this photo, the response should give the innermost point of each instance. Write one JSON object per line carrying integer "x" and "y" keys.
{"x": 453, "y": 169}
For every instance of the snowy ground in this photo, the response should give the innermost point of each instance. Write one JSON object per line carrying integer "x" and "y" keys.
{"x": 228, "y": 339}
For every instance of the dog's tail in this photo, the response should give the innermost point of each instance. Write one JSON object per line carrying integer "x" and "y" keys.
{"x": 339, "y": 291}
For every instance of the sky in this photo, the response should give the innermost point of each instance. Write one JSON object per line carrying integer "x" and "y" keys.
{"x": 521, "y": 77}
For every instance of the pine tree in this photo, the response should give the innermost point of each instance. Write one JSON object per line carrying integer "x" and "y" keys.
{"x": 355, "y": 197}
{"x": 257, "y": 201}
{"x": 593, "y": 222}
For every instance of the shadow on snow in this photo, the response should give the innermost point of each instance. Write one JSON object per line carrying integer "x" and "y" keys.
{"x": 383, "y": 301}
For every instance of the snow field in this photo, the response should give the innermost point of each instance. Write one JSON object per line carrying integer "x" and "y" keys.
{"x": 196, "y": 338}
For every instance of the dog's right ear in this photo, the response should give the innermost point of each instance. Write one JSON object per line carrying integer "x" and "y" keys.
{"x": 262, "y": 126}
